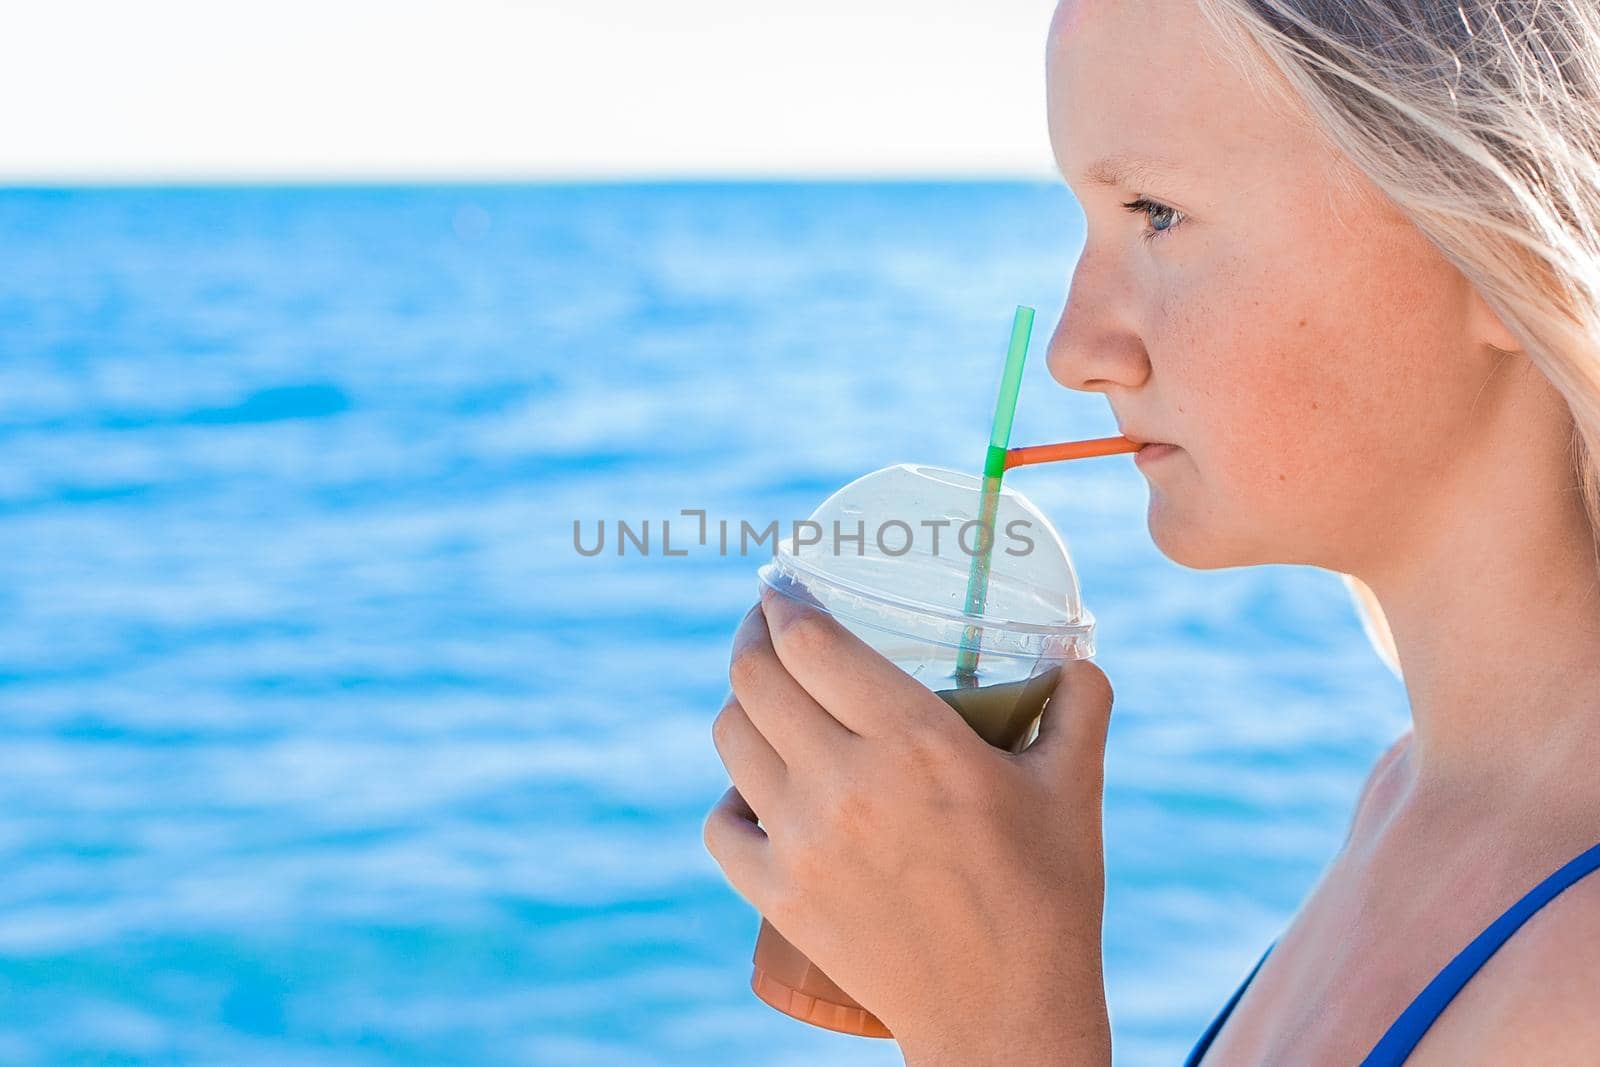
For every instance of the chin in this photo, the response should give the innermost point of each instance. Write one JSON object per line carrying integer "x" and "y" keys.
{"x": 1199, "y": 541}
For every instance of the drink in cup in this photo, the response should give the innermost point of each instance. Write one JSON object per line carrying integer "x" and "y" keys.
{"x": 891, "y": 557}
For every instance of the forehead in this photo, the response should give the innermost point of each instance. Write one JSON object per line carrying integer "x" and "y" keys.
{"x": 1154, "y": 32}
{"x": 1148, "y": 79}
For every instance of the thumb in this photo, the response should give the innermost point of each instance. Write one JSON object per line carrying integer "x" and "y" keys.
{"x": 1072, "y": 732}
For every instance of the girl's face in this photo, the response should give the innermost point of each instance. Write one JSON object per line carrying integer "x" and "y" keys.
{"x": 1244, "y": 295}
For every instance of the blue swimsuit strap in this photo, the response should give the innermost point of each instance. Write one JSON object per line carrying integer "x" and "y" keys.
{"x": 1401, "y": 1037}
{"x": 1197, "y": 1053}
{"x": 1407, "y": 1030}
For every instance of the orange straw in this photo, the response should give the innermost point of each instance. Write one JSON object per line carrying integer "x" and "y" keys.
{"x": 1100, "y": 446}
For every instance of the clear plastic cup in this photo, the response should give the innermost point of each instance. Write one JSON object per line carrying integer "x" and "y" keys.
{"x": 889, "y": 557}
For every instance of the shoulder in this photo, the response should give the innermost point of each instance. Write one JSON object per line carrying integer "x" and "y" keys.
{"x": 1535, "y": 1000}
{"x": 1386, "y": 762}
{"x": 1384, "y": 782}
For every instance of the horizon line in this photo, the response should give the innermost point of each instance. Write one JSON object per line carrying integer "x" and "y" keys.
{"x": 296, "y": 179}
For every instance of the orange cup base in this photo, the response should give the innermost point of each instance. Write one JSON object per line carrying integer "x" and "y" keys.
{"x": 840, "y": 1018}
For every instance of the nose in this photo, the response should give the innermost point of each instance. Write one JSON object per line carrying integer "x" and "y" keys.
{"x": 1096, "y": 345}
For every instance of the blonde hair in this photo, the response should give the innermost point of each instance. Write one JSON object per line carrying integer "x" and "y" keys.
{"x": 1480, "y": 121}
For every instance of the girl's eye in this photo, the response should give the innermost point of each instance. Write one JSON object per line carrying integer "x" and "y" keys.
{"x": 1161, "y": 218}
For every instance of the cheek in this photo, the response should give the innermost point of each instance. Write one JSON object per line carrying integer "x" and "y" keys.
{"x": 1302, "y": 389}
{"x": 1255, "y": 369}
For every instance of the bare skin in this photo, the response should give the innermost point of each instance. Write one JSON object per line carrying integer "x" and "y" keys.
{"x": 1338, "y": 396}
{"x": 1341, "y": 398}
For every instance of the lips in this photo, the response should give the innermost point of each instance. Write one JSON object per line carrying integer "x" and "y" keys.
{"x": 1153, "y": 452}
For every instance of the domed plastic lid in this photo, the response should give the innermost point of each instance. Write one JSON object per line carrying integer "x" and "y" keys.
{"x": 894, "y": 550}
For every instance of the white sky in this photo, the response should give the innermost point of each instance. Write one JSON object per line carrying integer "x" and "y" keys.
{"x": 116, "y": 89}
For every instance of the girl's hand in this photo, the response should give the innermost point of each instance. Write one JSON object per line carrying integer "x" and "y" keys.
{"x": 952, "y": 888}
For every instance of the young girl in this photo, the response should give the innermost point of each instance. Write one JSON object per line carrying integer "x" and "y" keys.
{"x": 1343, "y": 263}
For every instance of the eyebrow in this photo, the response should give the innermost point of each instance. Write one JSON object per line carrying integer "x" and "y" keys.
{"x": 1131, "y": 171}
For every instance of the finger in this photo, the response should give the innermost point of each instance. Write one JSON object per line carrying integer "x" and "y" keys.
{"x": 739, "y": 846}
{"x": 796, "y": 726}
{"x": 754, "y": 766}
{"x": 1072, "y": 732}
{"x": 856, "y": 684}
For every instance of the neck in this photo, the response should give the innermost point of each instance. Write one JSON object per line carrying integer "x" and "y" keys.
{"x": 1496, "y": 618}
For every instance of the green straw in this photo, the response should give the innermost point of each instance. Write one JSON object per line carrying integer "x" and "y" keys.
{"x": 994, "y": 469}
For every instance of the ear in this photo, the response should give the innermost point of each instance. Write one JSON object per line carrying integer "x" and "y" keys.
{"x": 1488, "y": 327}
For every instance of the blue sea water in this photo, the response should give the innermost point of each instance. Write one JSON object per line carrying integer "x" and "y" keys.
{"x": 319, "y": 742}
